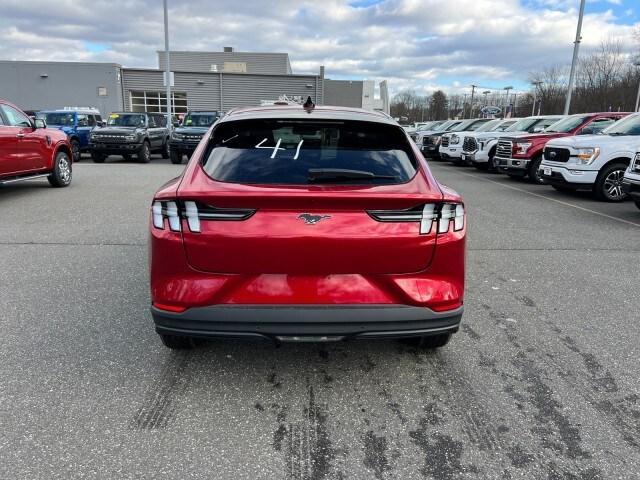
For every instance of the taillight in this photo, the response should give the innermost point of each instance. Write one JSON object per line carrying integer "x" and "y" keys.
{"x": 440, "y": 214}
{"x": 194, "y": 212}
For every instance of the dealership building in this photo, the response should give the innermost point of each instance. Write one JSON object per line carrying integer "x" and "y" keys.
{"x": 199, "y": 80}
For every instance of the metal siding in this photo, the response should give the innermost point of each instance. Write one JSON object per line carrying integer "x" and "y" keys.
{"x": 266, "y": 63}
{"x": 343, "y": 93}
{"x": 199, "y": 96}
{"x": 238, "y": 90}
{"x": 67, "y": 84}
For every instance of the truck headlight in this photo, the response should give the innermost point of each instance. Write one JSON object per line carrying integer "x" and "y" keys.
{"x": 586, "y": 156}
{"x": 454, "y": 139}
{"x": 177, "y": 136}
{"x": 130, "y": 138}
{"x": 521, "y": 148}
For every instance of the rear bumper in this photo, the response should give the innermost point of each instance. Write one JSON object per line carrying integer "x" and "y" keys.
{"x": 307, "y": 322}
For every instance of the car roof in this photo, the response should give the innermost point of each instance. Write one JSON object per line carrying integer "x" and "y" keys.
{"x": 61, "y": 110}
{"x": 298, "y": 112}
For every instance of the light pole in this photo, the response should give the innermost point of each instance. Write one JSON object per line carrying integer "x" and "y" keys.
{"x": 504, "y": 113}
{"x": 636, "y": 62}
{"x": 536, "y": 85}
{"x": 473, "y": 91}
{"x": 574, "y": 61}
{"x": 167, "y": 65}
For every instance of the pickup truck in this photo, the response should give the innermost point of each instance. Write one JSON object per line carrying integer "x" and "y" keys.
{"x": 631, "y": 179}
{"x": 521, "y": 156}
{"x": 77, "y": 123}
{"x": 479, "y": 148}
{"x": 30, "y": 150}
{"x": 453, "y": 151}
{"x": 593, "y": 162}
{"x": 439, "y": 139}
{"x": 130, "y": 133}
{"x": 186, "y": 137}
{"x": 422, "y": 136}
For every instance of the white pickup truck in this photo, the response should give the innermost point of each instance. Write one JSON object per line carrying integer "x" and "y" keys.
{"x": 593, "y": 162}
{"x": 479, "y": 148}
{"x": 452, "y": 143}
{"x": 631, "y": 179}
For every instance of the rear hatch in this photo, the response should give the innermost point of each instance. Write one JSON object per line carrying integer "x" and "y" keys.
{"x": 303, "y": 197}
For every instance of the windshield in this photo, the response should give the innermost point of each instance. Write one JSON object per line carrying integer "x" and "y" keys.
{"x": 126, "y": 120}
{"x": 627, "y": 126}
{"x": 488, "y": 126}
{"x": 299, "y": 152}
{"x": 469, "y": 125}
{"x": 200, "y": 119}
{"x": 446, "y": 125}
{"x": 522, "y": 125}
{"x": 567, "y": 124}
{"x": 57, "y": 118}
{"x": 505, "y": 125}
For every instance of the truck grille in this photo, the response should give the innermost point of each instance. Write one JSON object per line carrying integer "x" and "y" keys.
{"x": 427, "y": 140}
{"x": 504, "y": 149}
{"x": 556, "y": 154}
{"x": 108, "y": 138}
{"x": 445, "y": 141}
{"x": 470, "y": 144}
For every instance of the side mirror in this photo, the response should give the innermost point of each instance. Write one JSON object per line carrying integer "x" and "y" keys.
{"x": 537, "y": 129}
{"x": 99, "y": 123}
{"x": 176, "y": 124}
{"x": 39, "y": 123}
{"x": 587, "y": 131}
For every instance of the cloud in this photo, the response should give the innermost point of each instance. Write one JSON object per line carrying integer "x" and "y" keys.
{"x": 419, "y": 44}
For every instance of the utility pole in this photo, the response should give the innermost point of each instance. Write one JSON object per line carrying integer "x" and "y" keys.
{"x": 167, "y": 65}
{"x": 574, "y": 61}
{"x": 473, "y": 91}
{"x": 636, "y": 62}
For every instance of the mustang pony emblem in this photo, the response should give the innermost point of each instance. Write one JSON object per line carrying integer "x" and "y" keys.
{"x": 312, "y": 219}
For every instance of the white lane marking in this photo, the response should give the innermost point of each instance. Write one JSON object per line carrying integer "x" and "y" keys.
{"x": 567, "y": 204}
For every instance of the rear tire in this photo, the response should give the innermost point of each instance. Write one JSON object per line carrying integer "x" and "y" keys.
{"x": 483, "y": 167}
{"x": 608, "y": 186}
{"x": 176, "y": 157}
{"x": 165, "y": 149}
{"x": 61, "y": 174}
{"x": 637, "y": 202}
{"x": 97, "y": 157}
{"x": 75, "y": 150}
{"x": 533, "y": 172}
{"x": 144, "y": 152}
{"x": 175, "y": 342}
{"x": 430, "y": 342}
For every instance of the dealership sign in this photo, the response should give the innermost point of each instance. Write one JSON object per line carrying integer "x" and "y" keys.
{"x": 490, "y": 110}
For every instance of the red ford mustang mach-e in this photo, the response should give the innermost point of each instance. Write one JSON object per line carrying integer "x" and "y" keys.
{"x": 306, "y": 224}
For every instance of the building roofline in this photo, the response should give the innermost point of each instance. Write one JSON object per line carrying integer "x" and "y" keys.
{"x": 206, "y": 72}
{"x": 62, "y": 62}
{"x": 230, "y": 53}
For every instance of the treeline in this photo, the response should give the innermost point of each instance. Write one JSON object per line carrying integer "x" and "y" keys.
{"x": 605, "y": 80}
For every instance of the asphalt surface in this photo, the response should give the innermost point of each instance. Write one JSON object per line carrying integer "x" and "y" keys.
{"x": 541, "y": 382}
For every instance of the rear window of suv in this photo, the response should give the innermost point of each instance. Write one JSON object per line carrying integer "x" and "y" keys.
{"x": 300, "y": 152}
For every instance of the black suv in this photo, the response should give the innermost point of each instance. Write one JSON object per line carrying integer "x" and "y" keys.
{"x": 128, "y": 133}
{"x": 187, "y": 136}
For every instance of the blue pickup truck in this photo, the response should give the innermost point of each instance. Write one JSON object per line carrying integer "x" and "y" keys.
{"x": 77, "y": 123}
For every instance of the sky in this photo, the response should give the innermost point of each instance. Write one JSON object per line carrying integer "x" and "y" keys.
{"x": 422, "y": 45}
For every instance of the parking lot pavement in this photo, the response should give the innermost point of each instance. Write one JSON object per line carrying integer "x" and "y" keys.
{"x": 541, "y": 381}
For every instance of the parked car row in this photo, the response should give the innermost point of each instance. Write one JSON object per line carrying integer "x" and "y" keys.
{"x": 599, "y": 152}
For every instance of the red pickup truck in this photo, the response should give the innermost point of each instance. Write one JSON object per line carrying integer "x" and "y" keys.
{"x": 520, "y": 155}
{"x": 29, "y": 150}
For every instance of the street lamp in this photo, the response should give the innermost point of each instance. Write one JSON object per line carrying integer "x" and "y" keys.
{"x": 506, "y": 103}
{"x": 167, "y": 65}
{"x": 574, "y": 61}
{"x": 536, "y": 85}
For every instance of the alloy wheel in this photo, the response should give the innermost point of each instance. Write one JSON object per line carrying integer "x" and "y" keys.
{"x": 613, "y": 185}
{"x": 64, "y": 169}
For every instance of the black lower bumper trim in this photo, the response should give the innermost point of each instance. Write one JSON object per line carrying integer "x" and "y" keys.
{"x": 558, "y": 180}
{"x": 307, "y": 323}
